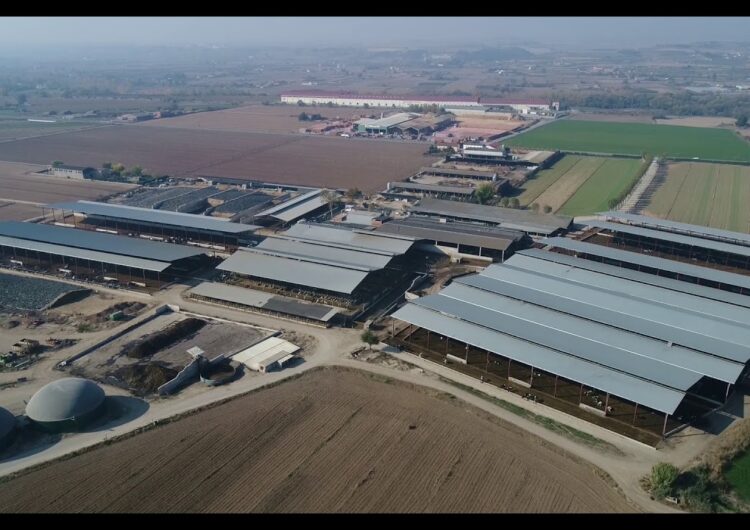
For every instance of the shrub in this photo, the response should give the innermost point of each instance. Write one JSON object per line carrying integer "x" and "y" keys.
{"x": 663, "y": 477}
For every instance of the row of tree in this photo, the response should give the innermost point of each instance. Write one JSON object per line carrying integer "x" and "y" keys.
{"x": 682, "y": 103}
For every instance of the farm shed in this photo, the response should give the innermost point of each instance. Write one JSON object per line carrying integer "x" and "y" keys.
{"x": 270, "y": 354}
{"x": 96, "y": 255}
{"x": 187, "y": 228}
{"x": 668, "y": 352}
{"x": 522, "y": 220}
{"x": 290, "y": 211}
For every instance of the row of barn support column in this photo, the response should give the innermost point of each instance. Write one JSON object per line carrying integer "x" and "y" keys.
{"x": 411, "y": 329}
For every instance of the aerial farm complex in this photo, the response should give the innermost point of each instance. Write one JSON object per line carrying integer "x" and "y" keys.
{"x": 535, "y": 283}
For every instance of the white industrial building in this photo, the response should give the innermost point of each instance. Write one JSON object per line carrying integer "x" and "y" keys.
{"x": 308, "y": 97}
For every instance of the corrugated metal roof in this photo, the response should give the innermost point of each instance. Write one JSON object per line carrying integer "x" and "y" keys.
{"x": 680, "y": 239}
{"x": 85, "y": 239}
{"x": 717, "y": 337}
{"x": 324, "y": 254}
{"x": 658, "y": 295}
{"x": 102, "y": 257}
{"x": 293, "y": 271}
{"x": 265, "y": 352}
{"x": 505, "y": 217}
{"x": 645, "y": 357}
{"x": 390, "y": 121}
{"x": 458, "y": 172}
{"x": 456, "y": 233}
{"x": 643, "y": 260}
{"x": 738, "y": 238}
{"x": 640, "y": 277}
{"x": 259, "y": 299}
{"x": 433, "y": 188}
{"x": 159, "y": 217}
{"x": 292, "y": 206}
{"x": 646, "y": 393}
{"x": 356, "y": 239}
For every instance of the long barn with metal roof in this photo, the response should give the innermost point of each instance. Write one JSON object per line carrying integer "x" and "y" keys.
{"x": 523, "y": 220}
{"x": 635, "y": 344}
{"x": 94, "y": 255}
{"x": 290, "y": 211}
{"x": 313, "y": 258}
{"x": 705, "y": 232}
{"x": 186, "y": 227}
{"x": 668, "y": 268}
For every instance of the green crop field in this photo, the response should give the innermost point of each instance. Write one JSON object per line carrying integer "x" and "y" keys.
{"x": 611, "y": 178}
{"x": 704, "y": 194}
{"x": 545, "y": 178}
{"x": 739, "y": 476}
{"x": 635, "y": 139}
{"x": 580, "y": 185}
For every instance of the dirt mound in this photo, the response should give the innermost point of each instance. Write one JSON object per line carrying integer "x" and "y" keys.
{"x": 145, "y": 378}
{"x": 154, "y": 342}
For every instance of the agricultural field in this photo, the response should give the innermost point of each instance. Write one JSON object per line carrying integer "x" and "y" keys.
{"x": 579, "y": 185}
{"x": 19, "y": 185}
{"x": 704, "y": 194}
{"x": 14, "y": 211}
{"x": 635, "y": 139}
{"x": 333, "y": 440}
{"x": 290, "y": 159}
{"x": 16, "y": 129}
{"x": 256, "y": 118}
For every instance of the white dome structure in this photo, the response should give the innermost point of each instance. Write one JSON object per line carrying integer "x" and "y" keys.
{"x": 64, "y": 404}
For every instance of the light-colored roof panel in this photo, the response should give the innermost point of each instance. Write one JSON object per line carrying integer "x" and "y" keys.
{"x": 719, "y": 338}
{"x": 630, "y": 352}
{"x": 640, "y": 391}
{"x": 571, "y": 335}
{"x": 358, "y": 239}
{"x": 97, "y": 241}
{"x": 309, "y": 274}
{"x": 157, "y": 217}
{"x": 718, "y": 246}
{"x": 641, "y": 277}
{"x": 295, "y": 208}
{"x": 78, "y": 253}
{"x": 331, "y": 255}
{"x": 643, "y": 260}
{"x": 431, "y": 188}
{"x": 505, "y": 217}
{"x": 261, "y": 300}
{"x": 738, "y": 238}
{"x": 265, "y": 352}
{"x": 456, "y": 233}
{"x": 683, "y": 301}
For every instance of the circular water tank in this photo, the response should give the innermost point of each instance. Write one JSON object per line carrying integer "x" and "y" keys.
{"x": 71, "y": 401}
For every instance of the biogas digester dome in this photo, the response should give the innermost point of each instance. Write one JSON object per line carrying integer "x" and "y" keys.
{"x": 7, "y": 427}
{"x": 66, "y": 404}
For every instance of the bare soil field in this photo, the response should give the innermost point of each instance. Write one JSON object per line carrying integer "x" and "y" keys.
{"x": 699, "y": 121}
{"x": 291, "y": 159}
{"x": 18, "y": 183}
{"x": 333, "y": 440}
{"x": 255, "y": 118}
{"x": 621, "y": 118}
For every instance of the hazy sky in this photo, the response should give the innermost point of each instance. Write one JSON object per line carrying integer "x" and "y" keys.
{"x": 374, "y": 31}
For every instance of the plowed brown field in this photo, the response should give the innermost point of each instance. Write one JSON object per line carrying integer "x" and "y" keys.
{"x": 290, "y": 159}
{"x": 333, "y": 440}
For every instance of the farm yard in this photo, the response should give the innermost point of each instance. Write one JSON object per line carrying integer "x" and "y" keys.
{"x": 635, "y": 139}
{"x": 704, "y": 194}
{"x": 290, "y": 159}
{"x": 255, "y": 118}
{"x": 580, "y": 185}
{"x": 333, "y": 440}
